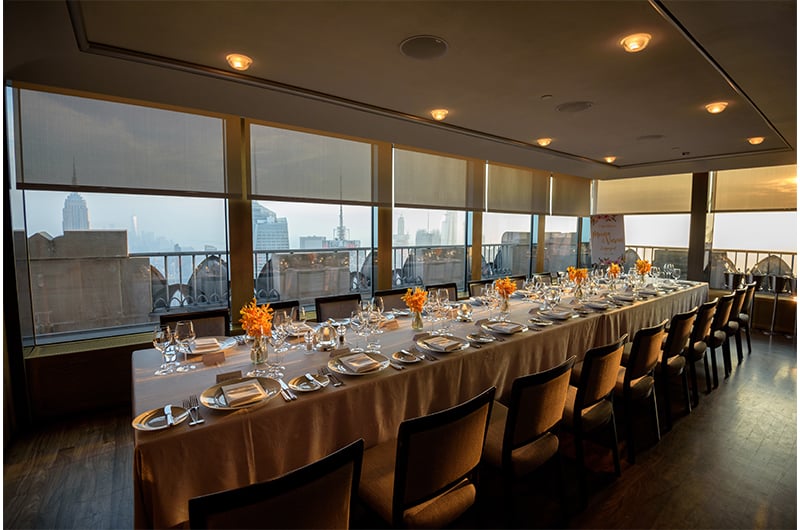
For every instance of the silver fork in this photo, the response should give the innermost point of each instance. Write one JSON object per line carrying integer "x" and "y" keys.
{"x": 194, "y": 410}
{"x": 335, "y": 381}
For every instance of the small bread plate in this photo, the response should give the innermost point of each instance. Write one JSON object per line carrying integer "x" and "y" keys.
{"x": 438, "y": 344}
{"x": 155, "y": 420}
{"x": 204, "y": 345}
{"x": 540, "y": 323}
{"x": 302, "y": 383}
{"x": 557, "y": 315}
{"x": 348, "y": 363}
{"x": 398, "y": 312}
{"x": 505, "y": 328}
{"x": 214, "y": 397}
{"x": 597, "y": 306}
{"x": 404, "y": 357}
{"x": 481, "y": 337}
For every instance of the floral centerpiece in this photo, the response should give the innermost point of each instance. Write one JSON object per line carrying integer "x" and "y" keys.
{"x": 642, "y": 266}
{"x": 578, "y": 276}
{"x": 415, "y": 300}
{"x": 505, "y": 287}
{"x": 613, "y": 270}
{"x": 256, "y": 321}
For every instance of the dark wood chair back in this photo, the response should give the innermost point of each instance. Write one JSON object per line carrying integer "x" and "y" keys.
{"x": 208, "y": 323}
{"x": 336, "y": 307}
{"x": 452, "y": 289}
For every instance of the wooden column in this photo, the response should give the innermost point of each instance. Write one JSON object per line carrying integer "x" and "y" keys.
{"x": 697, "y": 229}
{"x": 382, "y": 196}
{"x": 540, "y": 245}
{"x": 476, "y": 264}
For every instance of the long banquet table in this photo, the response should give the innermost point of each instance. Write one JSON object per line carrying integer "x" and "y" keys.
{"x": 236, "y": 448}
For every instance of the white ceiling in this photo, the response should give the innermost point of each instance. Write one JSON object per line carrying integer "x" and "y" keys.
{"x": 337, "y": 66}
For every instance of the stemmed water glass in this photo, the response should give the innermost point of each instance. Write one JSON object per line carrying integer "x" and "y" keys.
{"x": 676, "y": 273}
{"x": 276, "y": 339}
{"x": 358, "y": 325}
{"x": 184, "y": 334}
{"x": 162, "y": 339}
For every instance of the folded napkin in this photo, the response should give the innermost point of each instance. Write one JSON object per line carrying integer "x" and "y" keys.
{"x": 205, "y": 344}
{"x": 243, "y": 393}
{"x": 624, "y": 297}
{"x": 359, "y": 362}
{"x": 506, "y": 327}
{"x": 475, "y": 301}
{"x": 389, "y": 324}
{"x": 442, "y": 343}
{"x": 597, "y": 305}
{"x": 649, "y": 291}
{"x": 560, "y": 315}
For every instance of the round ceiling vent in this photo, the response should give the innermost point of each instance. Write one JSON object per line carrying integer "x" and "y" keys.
{"x": 423, "y": 47}
{"x": 574, "y": 106}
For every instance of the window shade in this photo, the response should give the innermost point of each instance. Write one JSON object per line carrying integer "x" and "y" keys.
{"x": 424, "y": 180}
{"x": 644, "y": 195}
{"x": 517, "y": 190}
{"x": 295, "y": 165}
{"x": 571, "y": 195}
{"x": 759, "y": 189}
{"x": 71, "y": 142}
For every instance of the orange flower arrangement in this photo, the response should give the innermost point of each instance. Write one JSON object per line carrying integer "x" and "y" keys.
{"x": 415, "y": 300}
{"x": 642, "y": 266}
{"x": 577, "y": 275}
{"x": 505, "y": 286}
{"x": 256, "y": 320}
{"x": 613, "y": 270}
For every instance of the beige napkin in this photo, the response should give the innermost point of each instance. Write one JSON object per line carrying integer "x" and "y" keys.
{"x": 243, "y": 393}
{"x": 205, "y": 344}
{"x": 442, "y": 343}
{"x": 506, "y": 327}
{"x": 359, "y": 362}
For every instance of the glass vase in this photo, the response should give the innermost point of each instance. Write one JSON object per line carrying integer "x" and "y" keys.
{"x": 258, "y": 356}
{"x": 416, "y": 320}
{"x": 504, "y": 312}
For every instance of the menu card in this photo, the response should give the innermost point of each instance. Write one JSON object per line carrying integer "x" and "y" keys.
{"x": 359, "y": 362}
{"x": 243, "y": 393}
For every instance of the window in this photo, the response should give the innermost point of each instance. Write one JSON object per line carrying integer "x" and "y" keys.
{"x": 560, "y": 243}
{"x": 506, "y": 245}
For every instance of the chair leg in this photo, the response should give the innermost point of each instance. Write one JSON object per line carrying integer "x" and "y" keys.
{"x": 739, "y": 354}
{"x": 685, "y": 381}
{"x": 631, "y": 450}
{"x": 747, "y": 334}
{"x": 726, "y": 356}
{"x": 714, "y": 374}
{"x": 615, "y": 446}
{"x": 667, "y": 405}
{"x": 708, "y": 373}
{"x": 655, "y": 415}
{"x": 693, "y": 377}
{"x": 562, "y": 487}
{"x": 583, "y": 489}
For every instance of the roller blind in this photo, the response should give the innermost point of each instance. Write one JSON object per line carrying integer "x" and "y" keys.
{"x": 645, "y": 195}
{"x": 427, "y": 180}
{"x": 70, "y": 142}
{"x": 758, "y": 189}
{"x": 571, "y": 195}
{"x": 295, "y": 165}
{"x": 517, "y": 190}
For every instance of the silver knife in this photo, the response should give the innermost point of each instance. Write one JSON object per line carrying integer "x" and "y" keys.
{"x": 312, "y": 379}
{"x": 286, "y": 389}
{"x": 168, "y": 414}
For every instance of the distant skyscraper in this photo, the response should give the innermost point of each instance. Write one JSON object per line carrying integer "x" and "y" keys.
{"x": 75, "y": 215}
{"x": 426, "y": 238}
{"x": 400, "y": 239}
{"x": 450, "y": 229}
{"x": 270, "y": 232}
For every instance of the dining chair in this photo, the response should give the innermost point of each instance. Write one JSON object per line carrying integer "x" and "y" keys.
{"x": 521, "y": 436}
{"x": 208, "y": 323}
{"x": 318, "y": 495}
{"x": 718, "y": 336}
{"x": 476, "y": 286}
{"x": 519, "y": 280}
{"x": 744, "y": 318}
{"x": 392, "y": 298}
{"x": 589, "y": 405}
{"x": 636, "y": 381}
{"x": 546, "y": 277}
{"x": 284, "y": 305}
{"x": 427, "y": 476}
{"x": 696, "y": 349}
{"x": 731, "y": 328}
{"x": 336, "y": 307}
{"x": 672, "y": 363}
{"x": 452, "y": 289}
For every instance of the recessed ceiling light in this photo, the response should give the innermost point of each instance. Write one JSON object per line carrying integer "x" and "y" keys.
{"x": 716, "y": 107}
{"x": 755, "y": 140}
{"x": 439, "y": 114}
{"x": 239, "y": 61}
{"x": 544, "y": 142}
{"x": 610, "y": 159}
{"x": 636, "y": 42}
{"x": 423, "y": 47}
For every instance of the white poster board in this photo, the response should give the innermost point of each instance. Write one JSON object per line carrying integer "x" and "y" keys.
{"x": 608, "y": 239}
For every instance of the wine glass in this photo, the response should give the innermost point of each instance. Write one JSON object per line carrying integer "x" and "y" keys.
{"x": 275, "y": 358}
{"x": 676, "y": 273}
{"x": 357, "y": 324}
{"x": 184, "y": 334}
{"x": 377, "y": 307}
{"x": 162, "y": 339}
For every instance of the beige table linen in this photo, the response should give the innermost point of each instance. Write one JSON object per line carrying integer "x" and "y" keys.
{"x": 233, "y": 449}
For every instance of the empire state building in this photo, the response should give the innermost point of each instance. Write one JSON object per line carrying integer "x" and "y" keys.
{"x": 75, "y": 215}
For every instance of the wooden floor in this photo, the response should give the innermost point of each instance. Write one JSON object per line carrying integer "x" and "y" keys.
{"x": 731, "y": 463}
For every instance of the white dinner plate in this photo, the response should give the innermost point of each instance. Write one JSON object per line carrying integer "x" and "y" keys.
{"x": 557, "y": 315}
{"x": 213, "y": 397}
{"x": 599, "y": 306}
{"x": 337, "y": 366}
{"x": 481, "y": 337}
{"x": 540, "y": 323}
{"x": 155, "y": 420}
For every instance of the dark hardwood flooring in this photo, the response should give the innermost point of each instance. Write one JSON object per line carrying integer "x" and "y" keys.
{"x": 731, "y": 463}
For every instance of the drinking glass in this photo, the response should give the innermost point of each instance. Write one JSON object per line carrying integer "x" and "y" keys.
{"x": 184, "y": 334}
{"x": 357, "y": 324}
{"x": 275, "y": 357}
{"x": 162, "y": 339}
{"x": 676, "y": 273}
{"x": 377, "y": 307}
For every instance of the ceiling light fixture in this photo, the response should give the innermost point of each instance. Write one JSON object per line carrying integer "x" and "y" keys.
{"x": 716, "y": 107}
{"x": 636, "y": 42}
{"x": 239, "y": 61}
{"x": 439, "y": 114}
{"x": 544, "y": 142}
{"x": 610, "y": 159}
{"x": 755, "y": 140}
